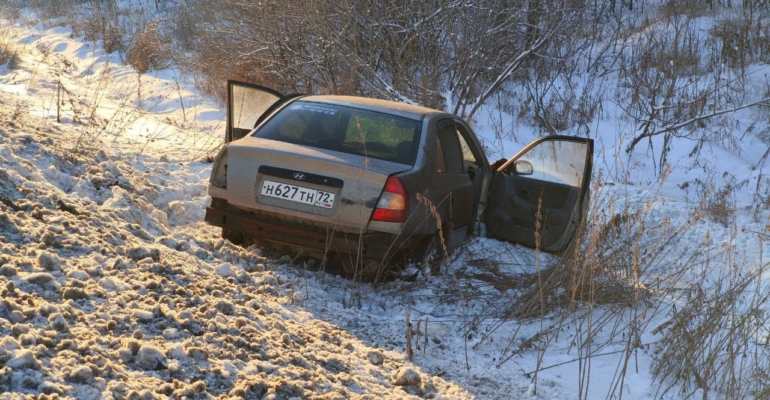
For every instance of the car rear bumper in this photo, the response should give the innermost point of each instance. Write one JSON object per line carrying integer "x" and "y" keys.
{"x": 265, "y": 226}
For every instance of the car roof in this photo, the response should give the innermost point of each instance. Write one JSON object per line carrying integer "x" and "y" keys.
{"x": 385, "y": 106}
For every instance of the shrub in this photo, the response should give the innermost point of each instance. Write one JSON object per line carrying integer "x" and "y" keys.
{"x": 148, "y": 51}
{"x": 100, "y": 23}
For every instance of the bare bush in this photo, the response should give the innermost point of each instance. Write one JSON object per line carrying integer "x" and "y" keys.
{"x": 96, "y": 23}
{"x": 403, "y": 50}
{"x": 663, "y": 80}
{"x": 677, "y": 78}
{"x": 691, "y": 8}
{"x": 741, "y": 37}
{"x": 53, "y": 8}
{"x": 148, "y": 51}
{"x": 492, "y": 43}
{"x": 447, "y": 55}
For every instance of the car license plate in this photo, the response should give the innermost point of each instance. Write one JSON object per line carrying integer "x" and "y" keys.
{"x": 299, "y": 194}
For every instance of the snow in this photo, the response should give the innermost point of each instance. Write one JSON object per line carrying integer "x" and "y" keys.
{"x": 112, "y": 286}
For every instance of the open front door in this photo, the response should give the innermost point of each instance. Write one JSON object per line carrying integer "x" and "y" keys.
{"x": 245, "y": 105}
{"x": 539, "y": 196}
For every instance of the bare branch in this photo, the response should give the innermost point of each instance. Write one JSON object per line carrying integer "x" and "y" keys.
{"x": 678, "y": 125}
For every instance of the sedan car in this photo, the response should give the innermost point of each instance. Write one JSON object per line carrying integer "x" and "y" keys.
{"x": 379, "y": 183}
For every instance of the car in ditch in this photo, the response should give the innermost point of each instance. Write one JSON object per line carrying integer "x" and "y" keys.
{"x": 378, "y": 183}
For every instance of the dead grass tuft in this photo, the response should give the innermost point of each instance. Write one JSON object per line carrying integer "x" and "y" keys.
{"x": 598, "y": 269}
{"x": 8, "y": 52}
{"x": 720, "y": 206}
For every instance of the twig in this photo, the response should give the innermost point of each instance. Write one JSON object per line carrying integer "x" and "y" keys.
{"x": 580, "y": 359}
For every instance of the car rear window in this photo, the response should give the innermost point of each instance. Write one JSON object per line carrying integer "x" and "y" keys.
{"x": 346, "y": 129}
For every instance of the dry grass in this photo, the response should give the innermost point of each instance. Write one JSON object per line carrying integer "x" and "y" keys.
{"x": 721, "y": 206}
{"x": 716, "y": 339}
{"x": 623, "y": 283}
{"x": 8, "y": 51}
{"x": 709, "y": 343}
{"x": 604, "y": 290}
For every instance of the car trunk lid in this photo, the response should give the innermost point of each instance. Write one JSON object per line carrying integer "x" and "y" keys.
{"x": 322, "y": 185}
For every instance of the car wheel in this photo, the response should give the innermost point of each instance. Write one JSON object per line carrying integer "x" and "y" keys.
{"x": 232, "y": 236}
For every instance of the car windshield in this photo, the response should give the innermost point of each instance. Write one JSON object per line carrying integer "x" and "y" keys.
{"x": 345, "y": 129}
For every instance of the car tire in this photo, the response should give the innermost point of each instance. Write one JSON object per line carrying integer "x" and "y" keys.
{"x": 232, "y": 236}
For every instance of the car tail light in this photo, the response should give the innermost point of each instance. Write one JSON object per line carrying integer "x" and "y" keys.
{"x": 393, "y": 203}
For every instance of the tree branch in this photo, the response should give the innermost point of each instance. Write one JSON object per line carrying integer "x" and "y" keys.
{"x": 678, "y": 125}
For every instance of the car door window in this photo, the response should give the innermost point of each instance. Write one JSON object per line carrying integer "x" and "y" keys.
{"x": 450, "y": 147}
{"x": 246, "y": 103}
{"x": 249, "y": 104}
{"x": 470, "y": 162}
{"x": 468, "y": 155}
{"x": 561, "y": 162}
{"x": 538, "y": 197}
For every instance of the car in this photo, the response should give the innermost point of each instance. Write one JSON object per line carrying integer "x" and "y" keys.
{"x": 376, "y": 183}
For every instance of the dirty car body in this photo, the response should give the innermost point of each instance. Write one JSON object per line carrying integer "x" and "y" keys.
{"x": 375, "y": 180}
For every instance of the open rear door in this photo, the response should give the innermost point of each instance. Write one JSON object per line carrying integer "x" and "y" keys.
{"x": 539, "y": 196}
{"x": 245, "y": 105}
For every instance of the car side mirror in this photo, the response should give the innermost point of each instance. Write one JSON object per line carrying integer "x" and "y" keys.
{"x": 522, "y": 167}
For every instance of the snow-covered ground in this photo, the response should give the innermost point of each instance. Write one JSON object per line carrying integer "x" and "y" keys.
{"x": 111, "y": 285}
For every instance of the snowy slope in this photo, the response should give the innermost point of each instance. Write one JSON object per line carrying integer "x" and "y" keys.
{"x": 111, "y": 285}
